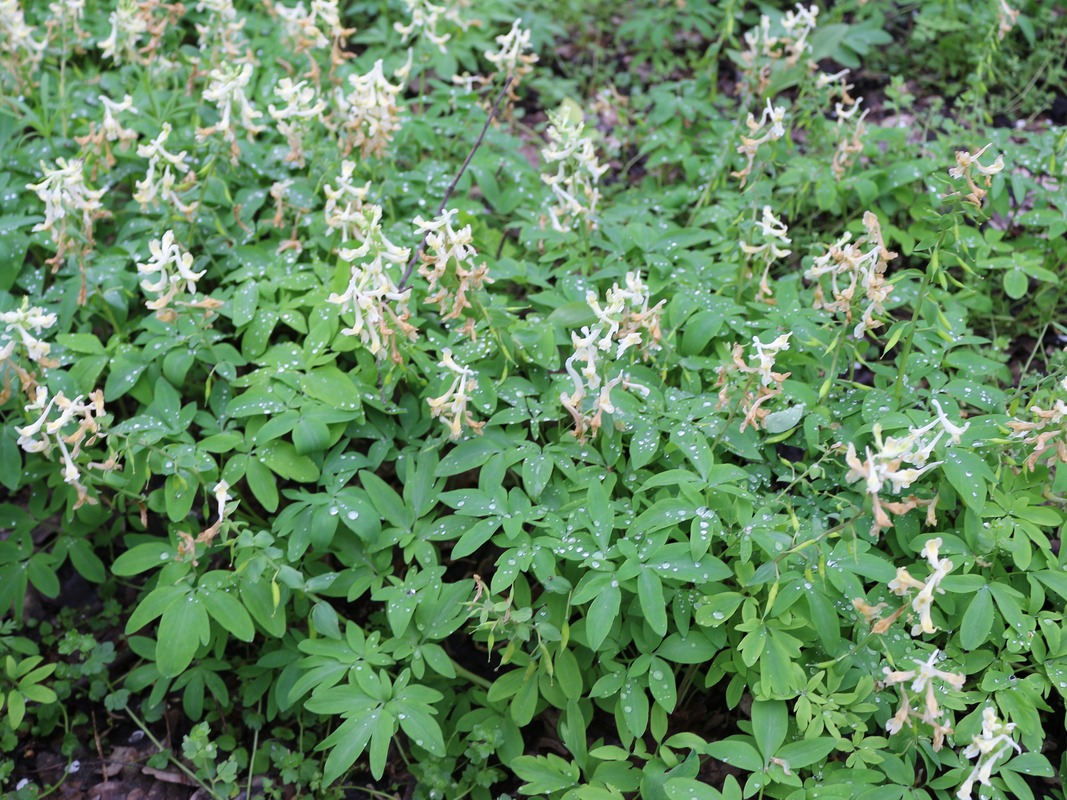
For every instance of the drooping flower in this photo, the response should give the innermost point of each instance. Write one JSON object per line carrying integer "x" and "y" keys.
{"x": 369, "y": 114}
{"x": 451, "y": 407}
{"x": 379, "y": 306}
{"x": 168, "y": 270}
{"x": 574, "y": 183}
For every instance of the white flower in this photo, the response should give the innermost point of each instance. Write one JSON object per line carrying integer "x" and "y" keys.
{"x": 20, "y": 322}
{"x": 574, "y": 183}
{"x": 227, "y": 92}
{"x": 369, "y": 113}
{"x": 167, "y": 269}
{"x": 989, "y": 746}
{"x": 512, "y": 57}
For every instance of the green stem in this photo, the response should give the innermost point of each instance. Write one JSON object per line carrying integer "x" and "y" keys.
{"x": 478, "y": 680}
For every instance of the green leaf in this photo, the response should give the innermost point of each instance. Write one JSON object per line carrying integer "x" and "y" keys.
{"x": 333, "y": 387}
{"x": 477, "y": 535}
{"x": 416, "y": 721}
{"x": 650, "y": 596}
{"x": 244, "y": 303}
{"x": 969, "y": 476}
{"x": 977, "y": 620}
{"x": 807, "y": 752}
{"x": 348, "y": 743}
{"x": 311, "y": 436}
{"x": 183, "y": 628}
{"x": 536, "y": 472}
{"x": 694, "y": 445}
{"x": 544, "y": 774}
{"x": 690, "y": 789}
{"x": 1016, "y": 283}
{"x": 770, "y": 723}
{"x": 142, "y": 558}
{"x": 262, "y": 484}
{"x": 124, "y": 373}
{"x": 644, "y": 444}
{"x": 737, "y": 753}
{"x": 228, "y": 611}
{"x": 784, "y": 420}
{"x": 601, "y": 615}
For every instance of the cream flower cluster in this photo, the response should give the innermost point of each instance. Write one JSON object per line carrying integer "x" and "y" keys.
{"x": 128, "y": 26}
{"x": 449, "y": 267}
{"x": 851, "y": 126}
{"x": 886, "y": 464}
{"x": 68, "y": 13}
{"x": 426, "y": 16}
{"x": 923, "y": 601}
{"x": 922, "y": 681}
{"x": 851, "y": 269}
{"x": 773, "y": 233}
{"x": 1046, "y": 433}
{"x": 312, "y": 28}
{"x": 23, "y": 327}
{"x": 20, "y": 50}
{"x": 369, "y": 113}
{"x": 227, "y": 92}
{"x": 574, "y": 183}
{"x": 110, "y": 130}
{"x": 965, "y": 162}
{"x": 764, "y": 49}
{"x": 48, "y": 432}
{"x": 168, "y": 270}
{"x": 772, "y": 116}
{"x": 988, "y": 747}
{"x": 768, "y": 382}
{"x": 625, "y": 321}
{"x": 302, "y": 107}
{"x": 163, "y": 185}
{"x": 222, "y": 35}
{"x": 513, "y": 57}
{"x": 451, "y": 407}
{"x": 377, "y": 303}
{"x": 65, "y": 194}
{"x": 344, "y": 205}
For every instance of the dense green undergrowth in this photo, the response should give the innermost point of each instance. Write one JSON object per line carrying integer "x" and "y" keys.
{"x": 699, "y": 439}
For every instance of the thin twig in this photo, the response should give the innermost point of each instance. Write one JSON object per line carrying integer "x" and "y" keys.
{"x": 448, "y": 194}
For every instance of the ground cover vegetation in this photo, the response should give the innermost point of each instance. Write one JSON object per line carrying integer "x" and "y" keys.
{"x": 587, "y": 401}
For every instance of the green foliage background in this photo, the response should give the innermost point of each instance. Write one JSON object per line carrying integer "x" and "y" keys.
{"x": 664, "y": 609}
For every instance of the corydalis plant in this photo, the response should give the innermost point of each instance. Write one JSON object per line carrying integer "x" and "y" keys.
{"x": 753, "y": 385}
{"x": 773, "y": 233}
{"x": 625, "y": 321}
{"x": 449, "y": 267}
{"x": 379, "y": 307}
{"x": 111, "y": 130}
{"x": 885, "y": 465}
{"x": 850, "y": 270}
{"x": 303, "y": 106}
{"x": 65, "y": 195}
{"x": 774, "y": 116}
{"x": 451, "y": 407}
{"x": 22, "y": 332}
{"x": 426, "y": 16}
{"x": 369, "y": 114}
{"x": 168, "y": 270}
{"x": 965, "y": 163}
{"x": 227, "y": 92}
{"x": 160, "y": 181}
{"x": 49, "y": 432}
{"x": 574, "y": 183}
